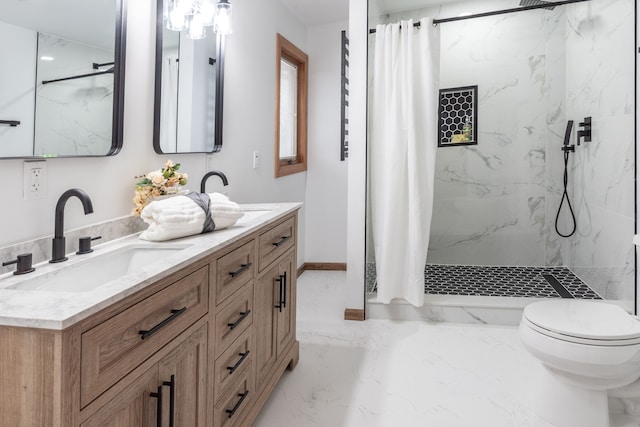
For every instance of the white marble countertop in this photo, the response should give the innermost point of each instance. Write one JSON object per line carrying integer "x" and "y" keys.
{"x": 60, "y": 309}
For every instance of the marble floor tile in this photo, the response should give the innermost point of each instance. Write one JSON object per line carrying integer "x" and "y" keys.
{"x": 382, "y": 373}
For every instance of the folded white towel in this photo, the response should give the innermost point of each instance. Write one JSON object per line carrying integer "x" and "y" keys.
{"x": 180, "y": 216}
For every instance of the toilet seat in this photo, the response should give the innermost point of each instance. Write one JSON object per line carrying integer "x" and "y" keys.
{"x": 583, "y": 322}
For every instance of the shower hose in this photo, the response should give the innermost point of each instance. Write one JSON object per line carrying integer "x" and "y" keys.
{"x": 565, "y": 196}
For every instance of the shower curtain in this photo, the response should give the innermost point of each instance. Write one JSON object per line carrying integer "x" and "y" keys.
{"x": 169, "y": 109}
{"x": 403, "y": 142}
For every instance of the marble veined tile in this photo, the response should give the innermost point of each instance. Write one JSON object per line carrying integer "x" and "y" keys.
{"x": 381, "y": 373}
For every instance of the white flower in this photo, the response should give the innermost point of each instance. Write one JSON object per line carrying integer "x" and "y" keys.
{"x": 156, "y": 177}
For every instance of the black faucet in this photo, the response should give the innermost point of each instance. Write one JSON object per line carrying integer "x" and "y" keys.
{"x": 222, "y": 176}
{"x": 58, "y": 248}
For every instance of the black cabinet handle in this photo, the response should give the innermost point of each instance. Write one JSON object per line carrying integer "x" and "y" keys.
{"x": 281, "y": 241}
{"x": 174, "y": 314}
{"x": 280, "y": 281}
{"x": 233, "y": 368}
{"x": 243, "y": 315}
{"x": 158, "y": 395}
{"x": 284, "y": 292}
{"x": 242, "y": 396}
{"x": 12, "y": 123}
{"x": 172, "y": 399}
{"x": 243, "y": 267}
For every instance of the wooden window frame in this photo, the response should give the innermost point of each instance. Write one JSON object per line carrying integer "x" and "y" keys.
{"x": 290, "y": 52}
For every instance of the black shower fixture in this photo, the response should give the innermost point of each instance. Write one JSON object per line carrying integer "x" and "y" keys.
{"x": 567, "y": 138}
{"x": 585, "y": 132}
{"x": 535, "y": 3}
{"x": 566, "y": 148}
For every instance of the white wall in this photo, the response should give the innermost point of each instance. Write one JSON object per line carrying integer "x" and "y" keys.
{"x": 354, "y": 296}
{"x": 16, "y": 87}
{"x": 248, "y": 125}
{"x": 326, "y": 202}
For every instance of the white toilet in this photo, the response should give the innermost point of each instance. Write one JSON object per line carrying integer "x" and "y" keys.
{"x": 588, "y": 349}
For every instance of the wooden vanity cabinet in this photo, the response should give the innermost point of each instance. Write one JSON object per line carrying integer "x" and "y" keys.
{"x": 172, "y": 392}
{"x": 202, "y": 347}
{"x": 275, "y": 316}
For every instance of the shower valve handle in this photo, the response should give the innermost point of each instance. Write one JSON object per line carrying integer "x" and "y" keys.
{"x": 585, "y": 133}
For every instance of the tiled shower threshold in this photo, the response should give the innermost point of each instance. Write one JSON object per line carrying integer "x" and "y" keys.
{"x": 481, "y": 294}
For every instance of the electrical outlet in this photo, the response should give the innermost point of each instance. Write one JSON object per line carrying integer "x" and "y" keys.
{"x": 256, "y": 159}
{"x": 35, "y": 179}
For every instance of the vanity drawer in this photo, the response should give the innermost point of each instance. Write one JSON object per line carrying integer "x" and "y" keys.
{"x": 235, "y": 403}
{"x": 233, "y": 270}
{"x": 275, "y": 242}
{"x": 117, "y": 346}
{"x": 233, "y": 318}
{"x": 233, "y": 363}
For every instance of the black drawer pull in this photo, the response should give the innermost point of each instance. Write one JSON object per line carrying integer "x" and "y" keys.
{"x": 174, "y": 314}
{"x": 242, "y": 396}
{"x": 243, "y": 267}
{"x": 233, "y": 368}
{"x": 281, "y": 241}
{"x": 243, "y": 315}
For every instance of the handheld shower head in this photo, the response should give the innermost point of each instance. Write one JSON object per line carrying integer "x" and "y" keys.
{"x": 567, "y": 132}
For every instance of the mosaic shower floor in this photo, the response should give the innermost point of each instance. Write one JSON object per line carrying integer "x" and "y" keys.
{"x": 531, "y": 282}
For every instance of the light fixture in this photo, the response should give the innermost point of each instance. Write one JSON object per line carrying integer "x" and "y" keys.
{"x": 195, "y": 15}
{"x": 223, "y": 18}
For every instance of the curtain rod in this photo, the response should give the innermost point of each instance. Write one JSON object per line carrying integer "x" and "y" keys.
{"x": 415, "y": 24}
{"x": 501, "y": 12}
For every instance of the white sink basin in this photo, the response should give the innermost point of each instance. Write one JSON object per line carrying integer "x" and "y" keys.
{"x": 250, "y": 215}
{"x": 89, "y": 274}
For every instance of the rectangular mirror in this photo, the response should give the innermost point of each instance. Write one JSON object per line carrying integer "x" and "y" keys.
{"x": 188, "y": 90}
{"x": 62, "y": 85}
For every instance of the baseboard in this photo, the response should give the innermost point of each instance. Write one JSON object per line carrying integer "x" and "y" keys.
{"x": 323, "y": 266}
{"x": 300, "y": 270}
{"x": 353, "y": 314}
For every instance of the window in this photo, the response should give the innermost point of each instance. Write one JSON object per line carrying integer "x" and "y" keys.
{"x": 291, "y": 109}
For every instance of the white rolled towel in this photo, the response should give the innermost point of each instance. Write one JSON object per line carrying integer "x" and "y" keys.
{"x": 180, "y": 216}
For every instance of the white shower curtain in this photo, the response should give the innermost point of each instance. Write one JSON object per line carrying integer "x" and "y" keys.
{"x": 169, "y": 109}
{"x": 403, "y": 142}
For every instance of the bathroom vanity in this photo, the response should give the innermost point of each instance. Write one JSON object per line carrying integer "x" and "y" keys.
{"x": 198, "y": 338}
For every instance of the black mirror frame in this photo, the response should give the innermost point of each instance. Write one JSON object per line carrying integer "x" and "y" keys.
{"x": 219, "y": 85}
{"x": 117, "y": 117}
{"x": 117, "y": 130}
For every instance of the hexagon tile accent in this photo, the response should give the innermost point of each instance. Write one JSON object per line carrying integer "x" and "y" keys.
{"x": 458, "y": 116}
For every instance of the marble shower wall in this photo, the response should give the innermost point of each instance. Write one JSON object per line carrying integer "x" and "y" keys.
{"x": 73, "y": 116}
{"x": 493, "y": 201}
{"x": 599, "y": 59}
{"x": 496, "y": 202}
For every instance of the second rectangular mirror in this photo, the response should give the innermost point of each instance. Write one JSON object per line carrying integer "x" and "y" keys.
{"x": 188, "y": 90}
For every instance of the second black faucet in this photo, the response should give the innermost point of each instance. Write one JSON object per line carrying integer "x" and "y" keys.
{"x": 206, "y": 176}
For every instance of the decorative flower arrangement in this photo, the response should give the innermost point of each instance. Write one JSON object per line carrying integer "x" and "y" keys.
{"x": 156, "y": 183}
